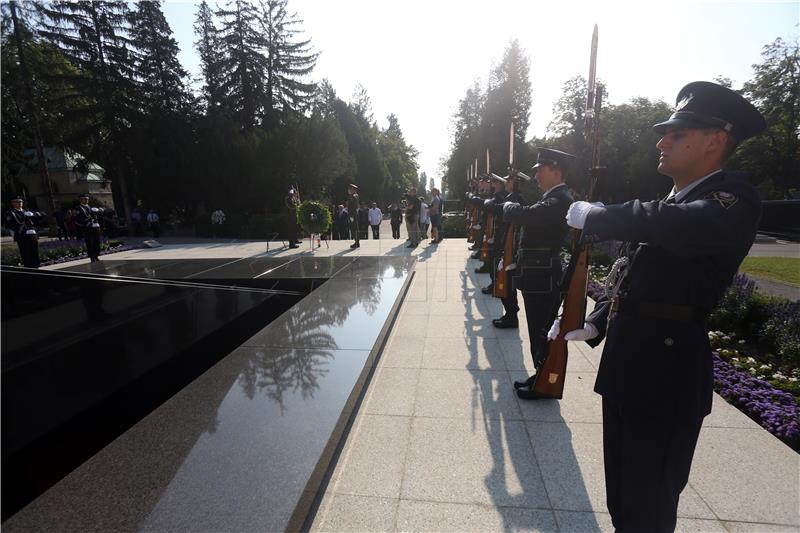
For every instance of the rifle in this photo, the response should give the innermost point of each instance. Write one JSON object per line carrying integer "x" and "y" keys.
{"x": 469, "y": 210}
{"x": 502, "y": 283}
{"x": 549, "y": 382}
{"x": 490, "y": 225}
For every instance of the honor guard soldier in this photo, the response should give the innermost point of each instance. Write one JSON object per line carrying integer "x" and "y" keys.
{"x": 477, "y": 200}
{"x": 291, "y": 201}
{"x": 510, "y": 193}
{"x": 88, "y": 219}
{"x": 352, "y": 212}
{"x": 493, "y": 205}
{"x": 538, "y": 258}
{"x": 681, "y": 253}
{"x": 22, "y": 224}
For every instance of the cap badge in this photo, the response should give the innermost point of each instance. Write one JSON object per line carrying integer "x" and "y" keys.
{"x": 684, "y": 102}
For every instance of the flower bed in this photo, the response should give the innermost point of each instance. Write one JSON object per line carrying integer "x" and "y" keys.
{"x": 54, "y": 252}
{"x": 756, "y": 343}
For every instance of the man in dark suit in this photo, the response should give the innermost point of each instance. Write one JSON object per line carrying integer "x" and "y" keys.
{"x": 680, "y": 255}
{"x": 538, "y": 262}
{"x": 88, "y": 219}
{"x": 352, "y": 213}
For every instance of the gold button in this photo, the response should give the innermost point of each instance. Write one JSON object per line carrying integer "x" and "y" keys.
{"x": 668, "y": 341}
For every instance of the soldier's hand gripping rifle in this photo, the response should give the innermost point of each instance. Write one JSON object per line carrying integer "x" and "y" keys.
{"x": 502, "y": 282}
{"x": 549, "y": 382}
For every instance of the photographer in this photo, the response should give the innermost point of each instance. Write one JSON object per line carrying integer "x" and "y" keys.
{"x": 22, "y": 224}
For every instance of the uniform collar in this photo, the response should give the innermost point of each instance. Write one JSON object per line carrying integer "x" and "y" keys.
{"x": 551, "y": 189}
{"x": 686, "y": 190}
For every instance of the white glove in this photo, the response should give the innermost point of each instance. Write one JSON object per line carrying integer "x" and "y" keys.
{"x": 578, "y": 211}
{"x": 588, "y": 332}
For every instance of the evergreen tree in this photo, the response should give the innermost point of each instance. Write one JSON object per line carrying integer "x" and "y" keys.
{"x": 93, "y": 36}
{"x": 400, "y": 160}
{"x": 242, "y": 66}
{"x": 288, "y": 60}
{"x": 508, "y": 100}
{"x": 157, "y": 67}
{"x": 207, "y": 46}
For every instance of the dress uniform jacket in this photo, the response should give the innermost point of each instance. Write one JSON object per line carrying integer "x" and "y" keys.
{"x": 543, "y": 230}
{"x": 501, "y": 226}
{"x": 682, "y": 257}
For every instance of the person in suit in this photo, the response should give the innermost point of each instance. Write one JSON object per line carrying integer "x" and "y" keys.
{"x": 291, "y": 201}
{"x": 22, "y": 225}
{"x": 679, "y": 256}
{"x": 88, "y": 219}
{"x": 352, "y": 212}
{"x": 538, "y": 260}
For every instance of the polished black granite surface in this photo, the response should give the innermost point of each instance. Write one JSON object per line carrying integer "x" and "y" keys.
{"x": 243, "y": 447}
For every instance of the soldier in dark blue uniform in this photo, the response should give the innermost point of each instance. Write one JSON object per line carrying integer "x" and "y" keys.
{"x": 681, "y": 253}
{"x": 21, "y": 223}
{"x": 538, "y": 263}
{"x": 88, "y": 219}
{"x": 492, "y": 203}
{"x": 477, "y": 200}
{"x": 502, "y": 228}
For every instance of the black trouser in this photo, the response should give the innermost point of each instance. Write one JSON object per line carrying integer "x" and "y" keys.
{"x": 354, "y": 232}
{"x": 291, "y": 227}
{"x": 91, "y": 237}
{"x": 647, "y": 463}
{"x": 156, "y": 229}
{"x": 376, "y": 231}
{"x": 395, "y": 229}
{"x": 28, "y": 250}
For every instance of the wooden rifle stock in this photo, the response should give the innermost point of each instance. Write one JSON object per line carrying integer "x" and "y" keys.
{"x": 549, "y": 382}
{"x": 550, "y": 377}
{"x": 485, "y": 247}
{"x": 472, "y": 219}
{"x": 502, "y": 281}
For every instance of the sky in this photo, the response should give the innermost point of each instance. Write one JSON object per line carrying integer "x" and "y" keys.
{"x": 417, "y": 58}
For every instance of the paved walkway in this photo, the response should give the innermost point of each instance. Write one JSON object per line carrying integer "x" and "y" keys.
{"x": 441, "y": 443}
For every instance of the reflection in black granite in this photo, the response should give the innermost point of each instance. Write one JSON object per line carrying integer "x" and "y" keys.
{"x": 98, "y": 353}
{"x": 239, "y": 446}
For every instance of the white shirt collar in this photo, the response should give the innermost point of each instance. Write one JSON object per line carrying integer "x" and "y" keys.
{"x": 686, "y": 190}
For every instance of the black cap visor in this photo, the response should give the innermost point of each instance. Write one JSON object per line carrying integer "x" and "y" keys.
{"x": 689, "y": 119}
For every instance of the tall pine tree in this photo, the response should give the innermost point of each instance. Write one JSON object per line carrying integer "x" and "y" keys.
{"x": 207, "y": 46}
{"x": 93, "y": 35}
{"x": 242, "y": 65}
{"x": 289, "y": 61}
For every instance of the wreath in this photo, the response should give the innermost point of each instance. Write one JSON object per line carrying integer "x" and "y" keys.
{"x": 314, "y": 217}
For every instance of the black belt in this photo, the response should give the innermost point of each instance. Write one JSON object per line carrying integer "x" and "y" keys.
{"x": 680, "y": 313}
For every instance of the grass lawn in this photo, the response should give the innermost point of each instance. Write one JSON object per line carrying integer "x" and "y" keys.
{"x": 782, "y": 269}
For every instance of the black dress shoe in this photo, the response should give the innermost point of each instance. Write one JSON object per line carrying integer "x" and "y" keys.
{"x": 354, "y": 245}
{"x": 530, "y": 394}
{"x": 293, "y": 246}
{"x": 525, "y": 384}
{"x": 506, "y": 323}
{"x": 488, "y": 290}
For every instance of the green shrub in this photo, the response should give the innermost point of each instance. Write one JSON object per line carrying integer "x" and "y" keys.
{"x": 453, "y": 227}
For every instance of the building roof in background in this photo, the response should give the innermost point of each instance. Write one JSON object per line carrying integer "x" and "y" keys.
{"x": 66, "y": 159}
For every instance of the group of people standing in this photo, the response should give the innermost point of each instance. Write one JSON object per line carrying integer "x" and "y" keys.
{"x": 420, "y": 215}
{"x": 22, "y": 224}
{"x": 676, "y": 258}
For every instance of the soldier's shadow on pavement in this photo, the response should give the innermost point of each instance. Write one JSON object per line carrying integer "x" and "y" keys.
{"x": 535, "y": 473}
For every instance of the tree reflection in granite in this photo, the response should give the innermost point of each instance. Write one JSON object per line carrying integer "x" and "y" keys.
{"x": 278, "y": 370}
